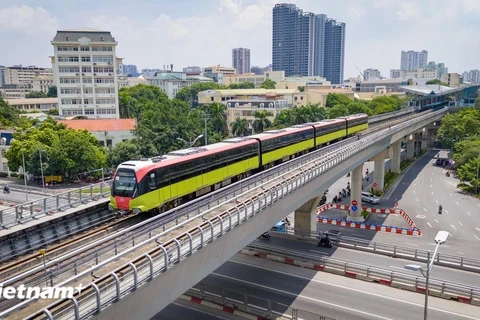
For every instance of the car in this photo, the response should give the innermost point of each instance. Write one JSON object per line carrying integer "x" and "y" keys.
{"x": 441, "y": 162}
{"x": 370, "y": 198}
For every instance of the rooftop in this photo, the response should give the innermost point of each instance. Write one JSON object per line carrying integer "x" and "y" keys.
{"x": 16, "y": 102}
{"x": 76, "y": 34}
{"x": 100, "y": 124}
{"x": 430, "y": 90}
{"x": 259, "y": 91}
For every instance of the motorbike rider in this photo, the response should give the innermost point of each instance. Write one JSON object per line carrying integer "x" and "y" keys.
{"x": 6, "y": 188}
{"x": 440, "y": 209}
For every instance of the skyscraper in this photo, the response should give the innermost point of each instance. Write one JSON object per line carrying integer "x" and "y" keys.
{"x": 241, "y": 60}
{"x": 307, "y": 44}
{"x": 412, "y": 60}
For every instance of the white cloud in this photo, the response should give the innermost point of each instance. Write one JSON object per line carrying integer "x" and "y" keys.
{"x": 472, "y": 6}
{"x": 408, "y": 11}
{"x": 27, "y": 20}
{"x": 356, "y": 11}
{"x": 381, "y": 3}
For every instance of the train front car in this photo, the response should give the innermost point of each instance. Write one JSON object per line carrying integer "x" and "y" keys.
{"x": 124, "y": 186}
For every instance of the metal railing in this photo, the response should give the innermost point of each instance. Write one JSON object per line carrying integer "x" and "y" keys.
{"x": 385, "y": 116}
{"x": 251, "y": 304}
{"x": 442, "y": 259}
{"x": 444, "y": 287}
{"x": 32, "y": 209}
{"x": 115, "y": 285}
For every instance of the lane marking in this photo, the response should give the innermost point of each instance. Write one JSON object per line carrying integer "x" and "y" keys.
{"x": 478, "y": 204}
{"x": 411, "y": 244}
{"x": 400, "y": 268}
{"x": 429, "y": 225}
{"x": 436, "y": 201}
{"x": 382, "y": 296}
{"x": 413, "y": 191}
{"x": 417, "y": 200}
{"x": 319, "y": 252}
{"x": 425, "y": 210}
{"x": 432, "y": 193}
{"x": 301, "y": 296}
{"x": 453, "y": 226}
{"x": 436, "y": 220}
{"x": 477, "y": 229}
{"x": 476, "y": 237}
{"x": 469, "y": 213}
{"x": 451, "y": 195}
{"x": 461, "y": 252}
{"x": 457, "y": 203}
{"x": 431, "y": 186}
{"x": 446, "y": 211}
{"x": 414, "y": 184}
{"x": 460, "y": 223}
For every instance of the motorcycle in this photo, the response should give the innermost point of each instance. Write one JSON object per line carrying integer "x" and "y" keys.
{"x": 6, "y": 190}
{"x": 325, "y": 242}
{"x": 266, "y": 235}
{"x": 344, "y": 193}
{"x": 447, "y": 174}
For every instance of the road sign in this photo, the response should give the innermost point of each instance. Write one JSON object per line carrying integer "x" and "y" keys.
{"x": 354, "y": 202}
{"x": 354, "y": 208}
{"x": 374, "y": 184}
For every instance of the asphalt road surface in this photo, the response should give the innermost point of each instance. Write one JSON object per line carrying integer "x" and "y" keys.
{"x": 330, "y": 295}
{"x": 186, "y": 310}
{"x": 18, "y": 196}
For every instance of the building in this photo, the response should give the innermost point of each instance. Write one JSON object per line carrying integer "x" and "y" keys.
{"x": 124, "y": 81}
{"x": 172, "y": 82}
{"x": 307, "y": 44}
{"x": 23, "y": 75}
{"x": 397, "y": 74}
{"x": 5, "y": 140}
{"x": 471, "y": 76}
{"x": 15, "y": 91}
{"x": 381, "y": 85}
{"x": 257, "y": 80}
{"x": 412, "y": 60}
{"x": 85, "y": 68}
{"x": 439, "y": 68}
{"x": 130, "y": 70}
{"x": 451, "y": 79}
{"x": 370, "y": 74}
{"x": 192, "y": 70}
{"x": 109, "y": 132}
{"x": 2, "y": 76}
{"x": 302, "y": 83}
{"x": 42, "y": 83}
{"x": 150, "y": 73}
{"x": 219, "y": 69}
{"x": 421, "y": 74}
{"x": 35, "y": 104}
{"x": 241, "y": 60}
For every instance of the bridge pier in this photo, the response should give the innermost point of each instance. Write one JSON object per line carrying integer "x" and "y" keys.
{"x": 305, "y": 219}
{"x": 379, "y": 172}
{"x": 356, "y": 194}
{"x": 410, "y": 152}
{"x": 396, "y": 159}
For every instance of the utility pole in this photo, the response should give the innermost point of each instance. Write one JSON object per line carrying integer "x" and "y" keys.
{"x": 205, "y": 117}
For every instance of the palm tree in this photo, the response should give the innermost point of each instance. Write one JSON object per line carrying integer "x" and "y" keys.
{"x": 240, "y": 127}
{"x": 218, "y": 117}
{"x": 262, "y": 122}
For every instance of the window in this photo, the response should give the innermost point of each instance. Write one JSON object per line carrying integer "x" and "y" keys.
{"x": 87, "y": 80}
{"x": 84, "y": 48}
{"x": 69, "y": 91}
{"x": 87, "y": 101}
{"x": 71, "y": 101}
{"x": 101, "y": 48}
{"x": 5, "y": 167}
{"x": 105, "y": 101}
{"x": 87, "y": 90}
{"x": 67, "y": 48}
{"x": 109, "y": 143}
{"x": 90, "y": 111}
{"x": 69, "y": 80}
{"x": 86, "y": 69}
{"x": 100, "y": 59}
{"x": 103, "y": 69}
{"x": 68, "y": 69}
{"x": 85, "y": 59}
{"x": 67, "y": 59}
{"x": 106, "y": 111}
{"x": 104, "y": 80}
{"x": 104, "y": 90}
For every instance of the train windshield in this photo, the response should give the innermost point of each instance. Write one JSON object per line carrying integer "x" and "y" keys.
{"x": 125, "y": 182}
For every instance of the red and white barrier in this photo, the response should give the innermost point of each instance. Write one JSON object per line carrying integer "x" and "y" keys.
{"x": 222, "y": 308}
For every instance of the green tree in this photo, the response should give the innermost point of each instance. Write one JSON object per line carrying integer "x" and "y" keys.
{"x": 359, "y": 107}
{"x": 268, "y": 84}
{"x": 9, "y": 116}
{"x": 240, "y": 127}
{"x": 261, "y": 121}
{"x": 52, "y": 112}
{"x": 243, "y": 85}
{"x": 458, "y": 126}
{"x": 36, "y": 94}
{"x": 217, "y": 117}
{"x": 190, "y": 94}
{"x": 466, "y": 150}
{"x": 470, "y": 172}
{"x": 334, "y": 99}
{"x": 338, "y": 111}
{"x": 436, "y": 81}
{"x": 298, "y": 115}
{"x": 52, "y": 92}
{"x": 123, "y": 151}
{"x": 134, "y": 101}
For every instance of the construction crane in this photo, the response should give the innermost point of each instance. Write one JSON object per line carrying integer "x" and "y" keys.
{"x": 360, "y": 73}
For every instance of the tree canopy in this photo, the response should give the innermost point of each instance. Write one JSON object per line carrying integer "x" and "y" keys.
{"x": 268, "y": 84}
{"x": 243, "y": 85}
{"x": 190, "y": 94}
{"x": 52, "y": 92}
{"x": 9, "y": 116}
{"x": 436, "y": 81}
{"x": 36, "y": 94}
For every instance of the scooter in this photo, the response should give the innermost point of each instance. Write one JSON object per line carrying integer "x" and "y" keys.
{"x": 344, "y": 193}
{"x": 325, "y": 242}
{"x": 266, "y": 235}
{"x": 447, "y": 174}
{"x": 6, "y": 190}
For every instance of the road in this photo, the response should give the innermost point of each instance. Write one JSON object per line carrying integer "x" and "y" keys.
{"x": 18, "y": 196}
{"x": 330, "y": 295}
{"x": 373, "y": 260}
{"x": 185, "y": 310}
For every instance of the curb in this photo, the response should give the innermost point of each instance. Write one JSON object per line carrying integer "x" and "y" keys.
{"x": 220, "y": 307}
{"x": 354, "y": 275}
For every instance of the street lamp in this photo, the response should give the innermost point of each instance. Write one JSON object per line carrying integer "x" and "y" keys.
{"x": 440, "y": 239}
{"x": 23, "y": 160}
{"x": 41, "y": 170}
{"x": 191, "y": 143}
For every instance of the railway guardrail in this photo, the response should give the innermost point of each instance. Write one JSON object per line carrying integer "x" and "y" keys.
{"x": 127, "y": 278}
{"x": 394, "y": 114}
{"x": 50, "y": 204}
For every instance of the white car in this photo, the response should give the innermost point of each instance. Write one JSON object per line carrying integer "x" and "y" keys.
{"x": 370, "y": 198}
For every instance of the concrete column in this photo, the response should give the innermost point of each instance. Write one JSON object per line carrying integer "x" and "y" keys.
{"x": 379, "y": 173}
{"x": 396, "y": 159}
{"x": 410, "y": 149}
{"x": 305, "y": 219}
{"x": 356, "y": 194}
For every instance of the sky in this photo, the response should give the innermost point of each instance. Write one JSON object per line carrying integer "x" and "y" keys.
{"x": 153, "y": 33}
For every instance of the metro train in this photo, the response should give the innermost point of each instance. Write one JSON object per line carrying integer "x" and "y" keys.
{"x": 160, "y": 183}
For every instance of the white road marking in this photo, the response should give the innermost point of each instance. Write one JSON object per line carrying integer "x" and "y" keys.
{"x": 451, "y": 195}
{"x": 431, "y": 186}
{"x": 425, "y": 210}
{"x": 477, "y": 229}
{"x": 460, "y": 223}
{"x": 431, "y": 179}
{"x": 469, "y": 213}
{"x": 429, "y": 225}
{"x": 411, "y": 244}
{"x": 413, "y": 191}
{"x": 417, "y": 200}
{"x": 436, "y": 201}
{"x": 436, "y": 220}
{"x": 461, "y": 252}
{"x": 457, "y": 203}
{"x": 476, "y": 237}
{"x": 446, "y": 211}
{"x": 198, "y": 310}
{"x": 380, "y": 296}
{"x": 478, "y": 204}
{"x": 432, "y": 193}
{"x": 319, "y": 252}
{"x": 453, "y": 226}
{"x": 414, "y": 184}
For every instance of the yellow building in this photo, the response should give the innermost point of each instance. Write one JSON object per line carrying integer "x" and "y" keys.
{"x": 300, "y": 83}
{"x": 257, "y": 80}
{"x": 451, "y": 79}
{"x": 219, "y": 69}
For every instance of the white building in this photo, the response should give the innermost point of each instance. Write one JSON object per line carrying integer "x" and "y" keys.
{"x": 172, "y": 82}
{"x": 471, "y": 76}
{"x": 421, "y": 74}
{"x": 241, "y": 60}
{"x": 412, "y": 60}
{"x": 15, "y": 91}
{"x": 24, "y": 75}
{"x": 370, "y": 74}
{"x": 85, "y": 69}
{"x": 397, "y": 74}
{"x": 257, "y": 80}
{"x": 35, "y": 104}
{"x": 150, "y": 73}
{"x": 42, "y": 83}
{"x": 2, "y": 76}
{"x": 124, "y": 81}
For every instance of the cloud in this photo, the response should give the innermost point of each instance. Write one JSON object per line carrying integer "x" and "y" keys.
{"x": 381, "y": 3}
{"x": 356, "y": 11}
{"x": 472, "y": 6}
{"x": 249, "y": 16}
{"x": 27, "y": 20}
{"x": 408, "y": 11}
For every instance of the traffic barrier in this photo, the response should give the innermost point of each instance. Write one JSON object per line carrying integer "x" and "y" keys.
{"x": 220, "y": 307}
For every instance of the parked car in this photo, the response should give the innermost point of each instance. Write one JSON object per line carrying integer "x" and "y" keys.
{"x": 441, "y": 162}
{"x": 370, "y": 198}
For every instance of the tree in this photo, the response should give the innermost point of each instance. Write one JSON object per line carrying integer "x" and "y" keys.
{"x": 338, "y": 111}
{"x": 36, "y": 94}
{"x": 470, "y": 172}
{"x": 243, "y": 85}
{"x": 334, "y": 99}
{"x": 358, "y": 107}
{"x": 458, "y": 126}
{"x": 240, "y": 127}
{"x": 123, "y": 151}
{"x": 217, "y": 117}
{"x": 190, "y": 94}
{"x": 52, "y": 112}
{"x": 268, "y": 84}
{"x": 134, "y": 101}
{"x": 298, "y": 115}
{"x": 261, "y": 121}
{"x": 52, "y": 92}
{"x": 466, "y": 150}
{"x": 436, "y": 81}
{"x": 9, "y": 116}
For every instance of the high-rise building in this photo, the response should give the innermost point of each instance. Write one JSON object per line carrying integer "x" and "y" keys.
{"x": 471, "y": 76}
{"x": 307, "y": 44}
{"x": 413, "y": 60}
{"x": 130, "y": 70}
{"x": 241, "y": 60}
{"x": 85, "y": 69}
{"x": 2, "y": 76}
{"x": 19, "y": 74}
{"x": 370, "y": 74}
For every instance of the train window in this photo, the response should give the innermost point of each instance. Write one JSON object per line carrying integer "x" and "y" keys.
{"x": 152, "y": 184}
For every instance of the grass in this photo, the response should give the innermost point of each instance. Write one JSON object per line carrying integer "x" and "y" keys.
{"x": 95, "y": 190}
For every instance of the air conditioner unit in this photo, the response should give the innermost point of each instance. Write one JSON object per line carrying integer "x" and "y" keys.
{"x": 77, "y": 74}
{"x": 109, "y": 63}
{"x": 94, "y": 74}
{"x": 94, "y": 64}
{"x": 109, "y": 74}
{"x": 83, "y": 74}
